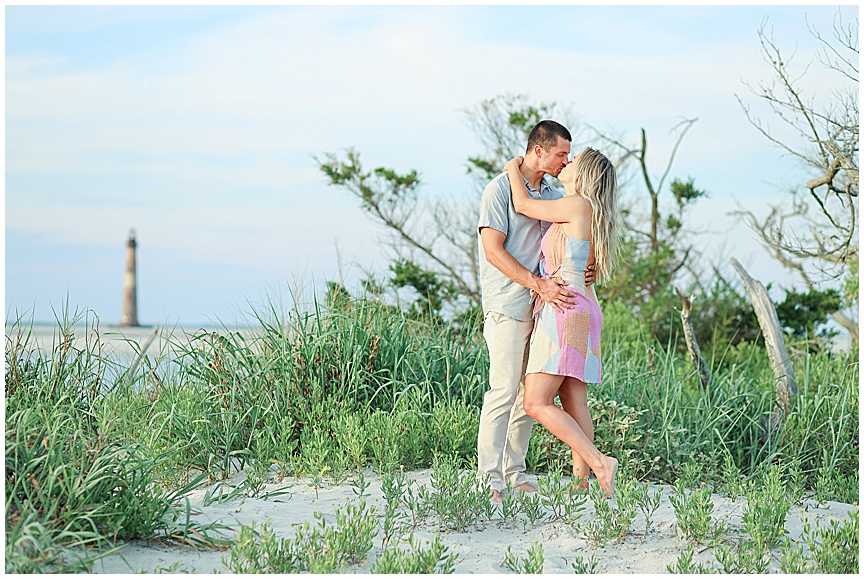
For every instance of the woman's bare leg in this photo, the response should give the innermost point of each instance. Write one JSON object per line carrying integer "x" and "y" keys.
{"x": 539, "y": 403}
{"x": 573, "y": 394}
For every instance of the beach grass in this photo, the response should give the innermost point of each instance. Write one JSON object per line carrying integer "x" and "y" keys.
{"x": 101, "y": 451}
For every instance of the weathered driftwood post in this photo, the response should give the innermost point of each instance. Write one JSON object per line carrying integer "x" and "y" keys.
{"x": 699, "y": 363}
{"x": 785, "y": 387}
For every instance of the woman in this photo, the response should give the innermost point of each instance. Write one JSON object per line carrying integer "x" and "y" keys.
{"x": 565, "y": 345}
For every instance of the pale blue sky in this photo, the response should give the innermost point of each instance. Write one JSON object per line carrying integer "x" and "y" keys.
{"x": 197, "y": 126}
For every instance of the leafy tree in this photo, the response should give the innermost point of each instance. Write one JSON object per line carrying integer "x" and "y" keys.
{"x": 432, "y": 291}
{"x": 724, "y": 314}
{"x": 434, "y": 241}
{"x": 803, "y": 312}
{"x": 501, "y": 125}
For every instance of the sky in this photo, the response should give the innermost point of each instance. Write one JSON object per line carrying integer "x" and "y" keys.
{"x": 198, "y": 126}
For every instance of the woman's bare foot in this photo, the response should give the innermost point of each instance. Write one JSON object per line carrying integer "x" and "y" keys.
{"x": 526, "y": 488}
{"x": 606, "y": 476}
{"x": 495, "y": 497}
{"x": 579, "y": 483}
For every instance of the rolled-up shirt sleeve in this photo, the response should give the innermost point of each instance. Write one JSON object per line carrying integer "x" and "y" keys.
{"x": 494, "y": 205}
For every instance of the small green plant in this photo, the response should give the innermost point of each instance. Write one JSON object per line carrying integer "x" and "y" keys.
{"x": 172, "y": 569}
{"x": 383, "y": 431}
{"x": 690, "y": 474}
{"x": 531, "y": 505}
{"x": 685, "y": 566}
{"x": 731, "y": 480}
{"x": 509, "y": 503}
{"x": 792, "y": 559}
{"x": 744, "y": 558}
{"x": 834, "y": 485}
{"x": 486, "y": 509}
{"x": 646, "y": 501}
{"x": 796, "y": 481}
{"x": 834, "y": 547}
{"x": 582, "y": 567}
{"x": 565, "y": 501}
{"x": 416, "y": 561}
{"x": 766, "y": 509}
{"x": 269, "y": 555}
{"x": 360, "y": 485}
{"x": 394, "y": 485}
{"x": 693, "y": 513}
{"x": 319, "y": 458}
{"x": 320, "y": 548}
{"x": 350, "y": 436}
{"x": 285, "y": 444}
{"x": 575, "y": 504}
{"x": 412, "y": 426}
{"x": 355, "y": 531}
{"x": 263, "y": 451}
{"x": 457, "y": 498}
{"x": 454, "y": 430}
{"x": 390, "y": 525}
{"x": 531, "y": 564}
{"x": 418, "y": 501}
{"x": 608, "y": 525}
{"x": 627, "y": 505}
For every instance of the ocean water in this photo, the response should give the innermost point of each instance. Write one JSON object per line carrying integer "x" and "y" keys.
{"x": 121, "y": 345}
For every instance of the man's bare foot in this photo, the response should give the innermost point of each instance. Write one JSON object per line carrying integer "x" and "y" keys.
{"x": 525, "y": 488}
{"x": 496, "y": 496}
{"x": 606, "y": 476}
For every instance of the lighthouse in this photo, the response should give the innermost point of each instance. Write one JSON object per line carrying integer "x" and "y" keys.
{"x": 129, "y": 316}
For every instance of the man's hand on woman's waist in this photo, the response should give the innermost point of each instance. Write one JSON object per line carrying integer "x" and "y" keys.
{"x": 553, "y": 292}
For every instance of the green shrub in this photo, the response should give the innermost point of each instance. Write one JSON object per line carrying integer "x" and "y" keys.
{"x": 531, "y": 564}
{"x": 767, "y": 507}
{"x": 416, "y": 561}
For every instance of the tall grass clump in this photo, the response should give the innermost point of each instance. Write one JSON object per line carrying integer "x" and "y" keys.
{"x": 413, "y": 386}
{"x": 74, "y": 477}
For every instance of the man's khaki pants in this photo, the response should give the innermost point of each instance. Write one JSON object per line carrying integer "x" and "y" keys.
{"x": 502, "y": 440}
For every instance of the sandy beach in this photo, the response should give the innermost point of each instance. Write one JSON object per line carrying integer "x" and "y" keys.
{"x": 480, "y": 550}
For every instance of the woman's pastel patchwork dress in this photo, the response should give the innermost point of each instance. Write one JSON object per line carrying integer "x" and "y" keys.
{"x": 567, "y": 344}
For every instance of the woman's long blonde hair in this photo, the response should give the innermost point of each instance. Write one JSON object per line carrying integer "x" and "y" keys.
{"x": 596, "y": 181}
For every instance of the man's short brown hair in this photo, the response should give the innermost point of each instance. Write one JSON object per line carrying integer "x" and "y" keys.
{"x": 546, "y": 133}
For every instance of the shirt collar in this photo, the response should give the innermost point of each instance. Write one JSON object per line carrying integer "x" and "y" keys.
{"x": 544, "y": 184}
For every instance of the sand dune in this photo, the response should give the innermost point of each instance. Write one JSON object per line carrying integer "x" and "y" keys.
{"x": 480, "y": 550}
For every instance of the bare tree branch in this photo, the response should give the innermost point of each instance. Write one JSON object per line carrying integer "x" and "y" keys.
{"x": 686, "y": 123}
{"x": 822, "y": 242}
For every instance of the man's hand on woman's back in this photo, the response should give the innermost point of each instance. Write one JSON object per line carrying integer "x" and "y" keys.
{"x": 553, "y": 292}
{"x": 589, "y": 274}
{"x": 589, "y": 267}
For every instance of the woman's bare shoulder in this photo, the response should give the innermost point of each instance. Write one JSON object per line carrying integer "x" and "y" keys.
{"x": 575, "y": 207}
{"x": 581, "y": 204}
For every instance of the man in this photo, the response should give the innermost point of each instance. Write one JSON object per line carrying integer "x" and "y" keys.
{"x": 509, "y": 267}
